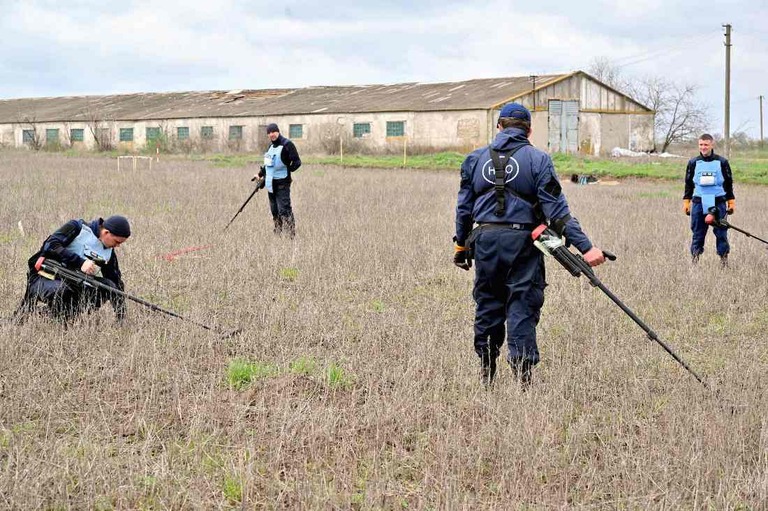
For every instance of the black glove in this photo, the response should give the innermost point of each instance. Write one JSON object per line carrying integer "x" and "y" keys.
{"x": 262, "y": 171}
{"x": 460, "y": 257}
{"x": 261, "y": 184}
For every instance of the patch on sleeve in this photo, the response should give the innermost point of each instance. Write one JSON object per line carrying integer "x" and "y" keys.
{"x": 553, "y": 188}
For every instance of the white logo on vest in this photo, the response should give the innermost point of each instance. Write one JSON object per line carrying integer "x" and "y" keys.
{"x": 511, "y": 171}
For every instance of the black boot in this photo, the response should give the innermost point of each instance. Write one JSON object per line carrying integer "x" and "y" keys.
{"x": 278, "y": 225}
{"x": 724, "y": 260}
{"x": 522, "y": 371}
{"x": 487, "y": 370}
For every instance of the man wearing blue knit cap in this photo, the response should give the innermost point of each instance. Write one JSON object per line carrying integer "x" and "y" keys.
{"x": 85, "y": 246}
{"x": 507, "y": 189}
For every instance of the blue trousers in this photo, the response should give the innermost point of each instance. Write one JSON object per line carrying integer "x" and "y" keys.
{"x": 509, "y": 292}
{"x": 700, "y": 227}
{"x": 280, "y": 205}
{"x": 66, "y": 300}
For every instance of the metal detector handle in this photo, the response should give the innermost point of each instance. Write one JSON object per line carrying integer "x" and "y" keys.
{"x": 609, "y": 255}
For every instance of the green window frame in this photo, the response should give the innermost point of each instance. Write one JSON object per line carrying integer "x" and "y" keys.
{"x": 295, "y": 131}
{"x": 52, "y": 135}
{"x": 153, "y": 133}
{"x": 28, "y": 136}
{"x": 395, "y": 128}
{"x": 182, "y": 132}
{"x": 360, "y": 129}
{"x": 206, "y": 132}
{"x": 126, "y": 134}
{"x": 77, "y": 135}
{"x": 235, "y": 132}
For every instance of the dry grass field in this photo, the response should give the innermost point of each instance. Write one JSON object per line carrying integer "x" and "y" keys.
{"x": 354, "y": 383}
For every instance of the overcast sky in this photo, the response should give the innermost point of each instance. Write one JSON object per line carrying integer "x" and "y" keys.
{"x": 76, "y": 47}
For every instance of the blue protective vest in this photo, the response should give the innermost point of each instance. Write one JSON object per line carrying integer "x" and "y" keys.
{"x": 708, "y": 182}
{"x": 87, "y": 243}
{"x": 276, "y": 169}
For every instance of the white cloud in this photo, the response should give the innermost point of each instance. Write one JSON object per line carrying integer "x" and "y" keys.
{"x": 89, "y": 46}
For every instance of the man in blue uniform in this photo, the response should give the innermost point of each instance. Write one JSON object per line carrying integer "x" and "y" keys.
{"x": 508, "y": 189}
{"x": 708, "y": 184}
{"x": 280, "y": 161}
{"x": 89, "y": 248}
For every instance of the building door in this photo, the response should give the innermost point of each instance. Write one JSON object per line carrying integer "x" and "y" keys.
{"x": 563, "y": 126}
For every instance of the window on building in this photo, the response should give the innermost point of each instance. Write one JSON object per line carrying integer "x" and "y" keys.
{"x": 76, "y": 135}
{"x": 295, "y": 131}
{"x": 126, "y": 134}
{"x": 52, "y": 136}
{"x": 182, "y": 132}
{"x": 153, "y": 134}
{"x": 361, "y": 129}
{"x": 206, "y": 132}
{"x": 28, "y": 136}
{"x": 395, "y": 128}
{"x": 235, "y": 132}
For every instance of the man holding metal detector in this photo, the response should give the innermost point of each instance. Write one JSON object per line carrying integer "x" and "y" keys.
{"x": 88, "y": 248}
{"x": 509, "y": 188}
{"x": 708, "y": 189}
{"x": 280, "y": 161}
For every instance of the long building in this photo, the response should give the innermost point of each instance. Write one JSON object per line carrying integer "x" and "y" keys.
{"x": 573, "y": 113}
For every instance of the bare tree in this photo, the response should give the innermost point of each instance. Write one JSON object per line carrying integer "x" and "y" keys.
{"x": 609, "y": 73}
{"x": 99, "y": 128}
{"x": 679, "y": 114}
{"x": 30, "y": 135}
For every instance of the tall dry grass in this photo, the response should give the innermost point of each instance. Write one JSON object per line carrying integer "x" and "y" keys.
{"x": 371, "y": 398}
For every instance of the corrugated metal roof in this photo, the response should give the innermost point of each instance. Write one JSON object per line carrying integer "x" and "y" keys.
{"x": 415, "y": 97}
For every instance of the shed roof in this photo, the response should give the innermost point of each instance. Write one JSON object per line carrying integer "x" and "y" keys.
{"x": 417, "y": 97}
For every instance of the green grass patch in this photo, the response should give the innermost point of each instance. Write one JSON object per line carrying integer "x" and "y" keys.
{"x": 748, "y": 167}
{"x": 232, "y": 489}
{"x": 337, "y": 377}
{"x": 304, "y": 366}
{"x": 289, "y": 274}
{"x": 241, "y": 373}
{"x": 377, "y": 306}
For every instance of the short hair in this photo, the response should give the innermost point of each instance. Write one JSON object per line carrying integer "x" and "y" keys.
{"x": 707, "y": 137}
{"x": 513, "y": 122}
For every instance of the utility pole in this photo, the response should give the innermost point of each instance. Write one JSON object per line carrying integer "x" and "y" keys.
{"x": 761, "y": 119}
{"x": 533, "y": 89}
{"x": 727, "y": 116}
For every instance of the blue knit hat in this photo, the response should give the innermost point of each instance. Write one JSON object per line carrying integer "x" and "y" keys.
{"x": 516, "y": 111}
{"x": 117, "y": 225}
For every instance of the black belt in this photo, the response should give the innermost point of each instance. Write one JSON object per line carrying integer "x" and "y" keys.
{"x": 517, "y": 227}
{"x": 718, "y": 200}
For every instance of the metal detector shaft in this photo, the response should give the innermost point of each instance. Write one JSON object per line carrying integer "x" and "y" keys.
{"x": 259, "y": 186}
{"x": 56, "y": 268}
{"x": 651, "y": 334}
{"x": 749, "y": 235}
{"x": 551, "y": 244}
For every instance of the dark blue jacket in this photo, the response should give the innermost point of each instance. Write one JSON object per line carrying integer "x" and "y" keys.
{"x": 532, "y": 176}
{"x": 55, "y": 247}
{"x": 690, "y": 170}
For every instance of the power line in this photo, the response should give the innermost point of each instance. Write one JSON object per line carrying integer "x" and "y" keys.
{"x": 652, "y": 54}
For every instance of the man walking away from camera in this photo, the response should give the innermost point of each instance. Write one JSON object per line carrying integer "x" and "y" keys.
{"x": 509, "y": 270}
{"x": 708, "y": 184}
{"x": 89, "y": 248}
{"x": 280, "y": 161}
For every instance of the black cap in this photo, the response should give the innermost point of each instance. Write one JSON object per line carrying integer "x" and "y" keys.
{"x": 271, "y": 128}
{"x": 118, "y": 225}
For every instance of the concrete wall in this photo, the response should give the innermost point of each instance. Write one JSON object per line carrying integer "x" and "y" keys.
{"x": 607, "y": 119}
{"x": 322, "y": 133}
